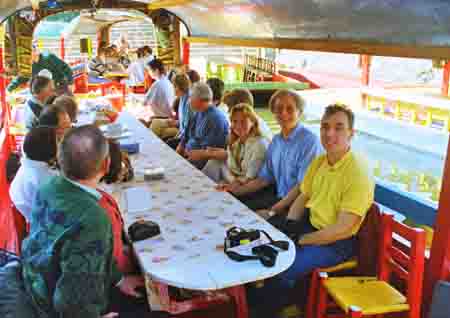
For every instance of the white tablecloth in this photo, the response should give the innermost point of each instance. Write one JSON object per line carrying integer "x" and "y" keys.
{"x": 193, "y": 218}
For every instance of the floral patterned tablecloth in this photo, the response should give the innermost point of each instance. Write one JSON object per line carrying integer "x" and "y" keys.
{"x": 193, "y": 218}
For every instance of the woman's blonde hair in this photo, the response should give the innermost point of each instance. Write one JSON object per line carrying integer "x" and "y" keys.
{"x": 248, "y": 111}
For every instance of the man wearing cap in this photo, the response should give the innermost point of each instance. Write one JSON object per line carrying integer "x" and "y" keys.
{"x": 207, "y": 128}
{"x": 61, "y": 72}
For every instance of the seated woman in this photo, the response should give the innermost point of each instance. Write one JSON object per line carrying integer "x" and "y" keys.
{"x": 159, "y": 98}
{"x": 97, "y": 66}
{"x": 39, "y": 150}
{"x": 242, "y": 95}
{"x": 69, "y": 104}
{"x": 112, "y": 60}
{"x": 56, "y": 117}
{"x": 245, "y": 153}
{"x": 231, "y": 99}
{"x": 119, "y": 171}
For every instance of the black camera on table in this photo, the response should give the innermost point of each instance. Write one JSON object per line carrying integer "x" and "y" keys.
{"x": 238, "y": 236}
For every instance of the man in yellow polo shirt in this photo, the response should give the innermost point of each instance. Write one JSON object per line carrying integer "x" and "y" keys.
{"x": 326, "y": 210}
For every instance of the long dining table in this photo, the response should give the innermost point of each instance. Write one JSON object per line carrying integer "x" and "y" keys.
{"x": 193, "y": 218}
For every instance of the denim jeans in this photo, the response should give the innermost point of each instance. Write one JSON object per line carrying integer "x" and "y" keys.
{"x": 275, "y": 293}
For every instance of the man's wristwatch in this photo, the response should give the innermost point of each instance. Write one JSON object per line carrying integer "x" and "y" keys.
{"x": 271, "y": 213}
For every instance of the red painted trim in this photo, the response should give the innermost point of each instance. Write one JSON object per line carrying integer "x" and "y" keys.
{"x": 439, "y": 264}
{"x": 238, "y": 294}
{"x": 3, "y": 106}
{"x": 299, "y": 77}
{"x": 186, "y": 52}
{"x": 62, "y": 48}
{"x": 281, "y": 78}
{"x": 445, "y": 79}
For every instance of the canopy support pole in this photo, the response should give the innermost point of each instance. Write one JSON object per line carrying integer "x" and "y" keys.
{"x": 445, "y": 79}
{"x": 186, "y": 51}
{"x": 62, "y": 49}
{"x": 439, "y": 263}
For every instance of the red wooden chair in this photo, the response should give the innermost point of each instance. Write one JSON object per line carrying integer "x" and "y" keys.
{"x": 367, "y": 234}
{"x": 368, "y": 295}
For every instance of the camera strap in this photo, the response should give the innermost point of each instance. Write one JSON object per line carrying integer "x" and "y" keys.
{"x": 265, "y": 253}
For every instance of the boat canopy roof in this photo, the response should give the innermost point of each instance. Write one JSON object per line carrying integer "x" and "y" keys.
{"x": 416, "y": 28}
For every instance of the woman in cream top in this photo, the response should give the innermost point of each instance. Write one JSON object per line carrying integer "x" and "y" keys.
{"x": 245, "y": 153}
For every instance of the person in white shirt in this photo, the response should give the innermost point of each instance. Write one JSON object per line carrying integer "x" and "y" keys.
{"x": 36, "y": 168}
{"x": 136, "y": 70}
{"x": 161, "y": 94}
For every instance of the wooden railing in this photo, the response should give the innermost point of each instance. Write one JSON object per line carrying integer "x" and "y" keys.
{"x": 258, "y": 69}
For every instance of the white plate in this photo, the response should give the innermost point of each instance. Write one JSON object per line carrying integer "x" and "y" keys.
{"x": 120, "y": 135}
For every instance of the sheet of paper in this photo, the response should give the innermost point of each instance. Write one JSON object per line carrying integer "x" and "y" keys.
{"x": 137, "y": 199}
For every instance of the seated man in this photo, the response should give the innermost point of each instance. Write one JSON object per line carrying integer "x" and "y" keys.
{"x": 61, "y": 72}
{"x": 288, "y": 156}
{"x": 41, "y": 89}
{"x": 208, "y": 127}
{"x": 218, "y": 87}
{"x": 330, "y": 206}
{"x": 68, "y": 265}
{"x": 170, "y": 127}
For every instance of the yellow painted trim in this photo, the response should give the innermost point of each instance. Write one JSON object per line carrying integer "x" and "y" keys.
{"x": 158, "y": 4}
{"x": 355, "y": 47}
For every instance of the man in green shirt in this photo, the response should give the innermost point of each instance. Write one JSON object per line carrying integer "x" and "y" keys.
{"x": 61, "y": 72}
{"x": 68, "y": 264}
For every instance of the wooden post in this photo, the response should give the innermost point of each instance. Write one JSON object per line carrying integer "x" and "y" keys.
{"x": 365, "y": 65}
{"x": 62, "y": 49}
{"x": 439, "y": 263}
{"x": 186, "y": 52}
{"x": 176, "y": 43}
{"x": 445, "y": 79}
{"x": 4, "y": 111}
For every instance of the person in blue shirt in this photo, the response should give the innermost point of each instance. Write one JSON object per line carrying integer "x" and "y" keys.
{"x": 208, "y": 127}
{"x": 288, "y": 156}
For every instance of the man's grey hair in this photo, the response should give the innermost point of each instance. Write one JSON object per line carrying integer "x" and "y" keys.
{"x": 201, "y": 91}
{"x": 82, "y": 152}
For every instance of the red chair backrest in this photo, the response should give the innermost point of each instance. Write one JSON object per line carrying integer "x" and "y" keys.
{"x": 8, "y": 235}
{"x": 369, "y": 233}
{"x": 407, "y": 264}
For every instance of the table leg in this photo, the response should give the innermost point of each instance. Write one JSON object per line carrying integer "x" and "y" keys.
{"x": 240, "y": 300}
